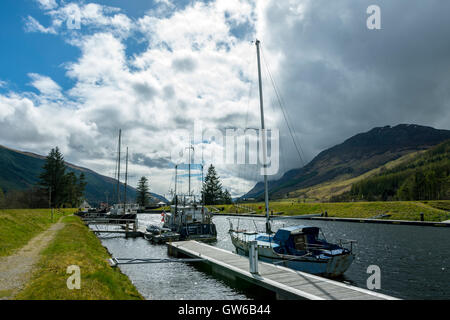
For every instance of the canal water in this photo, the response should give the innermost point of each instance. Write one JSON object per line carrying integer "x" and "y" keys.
{"x": 414, "y": 261}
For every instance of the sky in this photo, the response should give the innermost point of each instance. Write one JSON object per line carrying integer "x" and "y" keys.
{"x": 72, "y": 73}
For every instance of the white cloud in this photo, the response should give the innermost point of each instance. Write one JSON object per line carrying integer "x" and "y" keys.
{"x": 47, "y": 87}
{"x": 184, "y": 74}
{"x": 47, "y": 4}
{"x": 32, "y": 25}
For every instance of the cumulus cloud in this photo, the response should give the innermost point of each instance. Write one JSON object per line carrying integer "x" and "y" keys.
{"x": 47, "y": 87}
{"x": 47, "y": 4}
{"x": 32, "y": 25}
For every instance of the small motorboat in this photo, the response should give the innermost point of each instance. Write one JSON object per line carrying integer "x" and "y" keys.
{"x": 157, "y": 234}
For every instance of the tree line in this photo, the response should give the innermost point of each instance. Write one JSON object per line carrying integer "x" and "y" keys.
{"x": 427, "y": 177}
{"x": 55, "y": 188}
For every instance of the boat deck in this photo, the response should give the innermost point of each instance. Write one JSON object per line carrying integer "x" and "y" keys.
{"x": 284, "y": 282}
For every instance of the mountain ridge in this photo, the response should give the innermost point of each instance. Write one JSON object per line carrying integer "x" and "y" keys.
{"x": 20, "y": 170}
{"x": 356, "y": 155}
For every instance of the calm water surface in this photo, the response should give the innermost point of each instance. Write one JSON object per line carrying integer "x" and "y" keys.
{"x": 414, "y": 260}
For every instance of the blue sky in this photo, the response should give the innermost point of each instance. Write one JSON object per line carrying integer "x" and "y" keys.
{"x": 23, "y": 52}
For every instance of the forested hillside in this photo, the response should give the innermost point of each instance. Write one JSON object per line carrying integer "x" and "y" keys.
{"x": 426, "y": 177}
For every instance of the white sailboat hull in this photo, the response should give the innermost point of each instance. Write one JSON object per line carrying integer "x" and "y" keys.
{"x": 331, "y": 267}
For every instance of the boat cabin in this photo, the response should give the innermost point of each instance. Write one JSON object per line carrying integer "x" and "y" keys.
{"x": 297, "y": 239}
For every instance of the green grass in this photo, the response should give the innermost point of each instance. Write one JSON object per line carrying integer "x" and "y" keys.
{"x": 399, "y": 210}
{"x": 324, "y": 191}
{"x": 18, "y": 226}
{"x": 75, "y": 244}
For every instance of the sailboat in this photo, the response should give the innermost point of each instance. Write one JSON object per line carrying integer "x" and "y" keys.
{"x": 123, "y": 210}
{"x": 300, "y": 247}
{"x": 188, "y": 215}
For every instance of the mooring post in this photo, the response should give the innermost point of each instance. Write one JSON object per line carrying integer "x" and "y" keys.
{"x": 253, "y": 257}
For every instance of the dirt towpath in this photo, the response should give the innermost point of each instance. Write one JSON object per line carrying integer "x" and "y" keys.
{"x": 16, "y": 269}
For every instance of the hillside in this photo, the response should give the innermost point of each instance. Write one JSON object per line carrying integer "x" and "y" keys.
{"x": 424, "y": 177}
{"x": 331, "y": 190}
{"x": 354, "y": 157}
{"x": 20, "y": 170}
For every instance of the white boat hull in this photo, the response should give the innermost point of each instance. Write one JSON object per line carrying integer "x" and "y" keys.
{"x": 330, "y": 267}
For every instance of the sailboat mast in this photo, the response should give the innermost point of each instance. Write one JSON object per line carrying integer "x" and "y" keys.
{"x": 118, "y": 168}
{"x": 263, "y": 140}
{"x": 189, "y": 190}
{"x": 126, "y": 178}
{"x": 176, "y": 196}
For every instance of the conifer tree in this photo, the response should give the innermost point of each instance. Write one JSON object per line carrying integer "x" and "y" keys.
{"x": 54, "y": 177}
{"x": 143, "y": 193}
{"x": 212, "y": 188}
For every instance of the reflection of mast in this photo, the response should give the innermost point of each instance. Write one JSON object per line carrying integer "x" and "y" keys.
{"x": 118, "y": 169}
{"x": 126, "y": 178}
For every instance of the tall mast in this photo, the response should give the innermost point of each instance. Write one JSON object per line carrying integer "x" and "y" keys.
{"x": 118, "y": 169}
{"x": 263, "y": 135}
{"x": 189, "y": 190}
{"x": 126, "y": 178}
{"x": 189, "y": 166}
{"x": 176, "y": 196}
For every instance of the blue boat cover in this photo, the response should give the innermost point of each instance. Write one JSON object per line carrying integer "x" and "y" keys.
{"x": 283, "y": 234}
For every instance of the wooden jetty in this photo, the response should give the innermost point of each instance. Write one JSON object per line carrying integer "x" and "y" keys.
{"x": 285, "y": 283}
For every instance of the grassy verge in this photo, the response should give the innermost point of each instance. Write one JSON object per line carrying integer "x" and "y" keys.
{"x": 399, "y": 210}
{"x": 75, "y": 244}
{"x": 18, "y": 226}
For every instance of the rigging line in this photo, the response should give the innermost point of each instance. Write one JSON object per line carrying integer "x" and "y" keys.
{"x": 297, "y": 147}
{"x": 299, "y": 150}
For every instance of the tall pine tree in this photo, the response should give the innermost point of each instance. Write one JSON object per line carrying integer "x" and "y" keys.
{"x": 143, "y": 193}
{"x": 66, "y": 188}
{"x": 212, "y": 188}
{"x": 54, "y": 177}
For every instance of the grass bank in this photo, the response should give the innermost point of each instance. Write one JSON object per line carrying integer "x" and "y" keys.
{"x": 75, "y": 244}
{"x": 18, "y": 226}
{"x": 399, "y": 210}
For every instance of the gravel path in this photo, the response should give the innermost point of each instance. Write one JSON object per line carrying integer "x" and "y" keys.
{"x": 16, "y": 269}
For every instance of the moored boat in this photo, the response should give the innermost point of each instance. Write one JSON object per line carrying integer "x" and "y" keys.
{"x": 296, "y": 247}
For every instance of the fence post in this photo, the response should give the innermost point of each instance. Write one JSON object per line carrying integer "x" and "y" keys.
{"x": 253, "y": 257}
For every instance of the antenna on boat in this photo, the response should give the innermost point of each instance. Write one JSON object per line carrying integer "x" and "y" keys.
{"x": 263, "y": 140}
{"x": 126, "y": 180}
